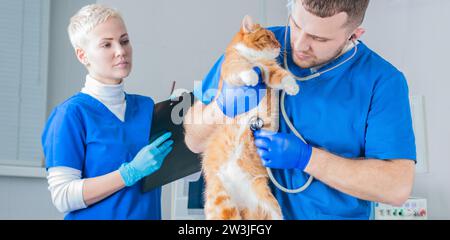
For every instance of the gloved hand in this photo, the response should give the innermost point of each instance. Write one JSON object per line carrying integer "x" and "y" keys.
{"x": 282, "y": 150}
{"x": 147, "y": 161}
{"x": 234, "y": 101}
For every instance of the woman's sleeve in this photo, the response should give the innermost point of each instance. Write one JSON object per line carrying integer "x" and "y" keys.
{"x": 64, "y": 138}
{"x": 66, "y": 188}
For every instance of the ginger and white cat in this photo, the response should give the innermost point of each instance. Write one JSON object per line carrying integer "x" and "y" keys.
{"x": 236, "y": 181}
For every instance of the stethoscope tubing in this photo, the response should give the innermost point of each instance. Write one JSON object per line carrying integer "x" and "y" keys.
{"x": 286, "y": 118}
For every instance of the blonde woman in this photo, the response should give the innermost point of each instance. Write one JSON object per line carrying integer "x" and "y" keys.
{"x": 96, "y": 142}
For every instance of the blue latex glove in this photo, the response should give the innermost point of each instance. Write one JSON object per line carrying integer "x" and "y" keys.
{"x": 282, "y": 150}
{"x": 234, "y": 101}
{"x": 147, "y": 161}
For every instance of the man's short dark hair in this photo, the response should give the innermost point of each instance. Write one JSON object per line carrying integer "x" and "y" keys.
{"x": 355, "y": 9}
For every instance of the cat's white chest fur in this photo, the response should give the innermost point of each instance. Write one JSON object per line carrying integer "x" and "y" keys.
{"x": 238, "y": 183}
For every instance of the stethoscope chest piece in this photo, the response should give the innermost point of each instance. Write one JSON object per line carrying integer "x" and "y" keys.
{"x": 256, "y": 123}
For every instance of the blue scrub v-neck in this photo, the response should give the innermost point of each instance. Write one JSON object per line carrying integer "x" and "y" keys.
{"x": 106, "y": 109}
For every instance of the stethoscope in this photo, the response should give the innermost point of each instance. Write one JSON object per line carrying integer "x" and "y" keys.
{"x": 257, "y": 123}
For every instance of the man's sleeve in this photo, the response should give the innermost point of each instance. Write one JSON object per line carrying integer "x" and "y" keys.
{"x": 207, "y": 90}
{"x": 390, "y": 132}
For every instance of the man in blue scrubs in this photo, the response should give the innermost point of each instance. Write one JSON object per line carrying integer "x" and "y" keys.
{"x": 96, "y": 143}
{"x": 355, "y": 117}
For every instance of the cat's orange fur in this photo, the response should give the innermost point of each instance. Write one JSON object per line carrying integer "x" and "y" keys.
{"x": 236, "y": 181}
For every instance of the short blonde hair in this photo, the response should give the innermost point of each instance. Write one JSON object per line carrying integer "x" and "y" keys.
{"x": 86, "y": 19}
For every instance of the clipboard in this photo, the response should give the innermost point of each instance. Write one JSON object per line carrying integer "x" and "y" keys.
{"x": 181, "y": 162}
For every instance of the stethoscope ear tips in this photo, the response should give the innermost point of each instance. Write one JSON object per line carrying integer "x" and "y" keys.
{"x": 256, "y": 124}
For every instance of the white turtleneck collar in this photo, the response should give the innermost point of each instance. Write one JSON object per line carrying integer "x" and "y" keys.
{"x": 112, "y": 96}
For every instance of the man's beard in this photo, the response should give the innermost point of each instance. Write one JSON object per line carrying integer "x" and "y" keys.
{"x": 315, "y": 63}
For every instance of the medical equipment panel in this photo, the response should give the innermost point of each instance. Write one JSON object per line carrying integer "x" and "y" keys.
{"x": 413, "y": 209}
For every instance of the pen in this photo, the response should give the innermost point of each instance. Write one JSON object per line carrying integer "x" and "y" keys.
{"x": 173, "y": 88}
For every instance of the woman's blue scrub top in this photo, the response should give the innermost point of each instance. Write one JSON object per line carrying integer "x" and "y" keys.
{"x": 358, "y": 110}
{"x": 84, "y": 134}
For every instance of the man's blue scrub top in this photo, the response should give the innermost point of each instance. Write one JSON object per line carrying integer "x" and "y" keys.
{"x": 360, "y": 109}
{"x": 83, "y": 134}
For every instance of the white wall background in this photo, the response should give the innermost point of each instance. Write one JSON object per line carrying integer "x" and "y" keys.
{"x": 412, "y": 34}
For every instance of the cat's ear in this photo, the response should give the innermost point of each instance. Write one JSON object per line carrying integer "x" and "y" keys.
{"x": 247, "y": 24}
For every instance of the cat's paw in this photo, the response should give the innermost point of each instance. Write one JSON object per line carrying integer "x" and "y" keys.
{"x": 250, "y": 78}
{"x": 290, "y": 85}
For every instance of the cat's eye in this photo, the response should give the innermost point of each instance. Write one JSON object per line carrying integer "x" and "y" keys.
{"x": 263, "y": 38}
